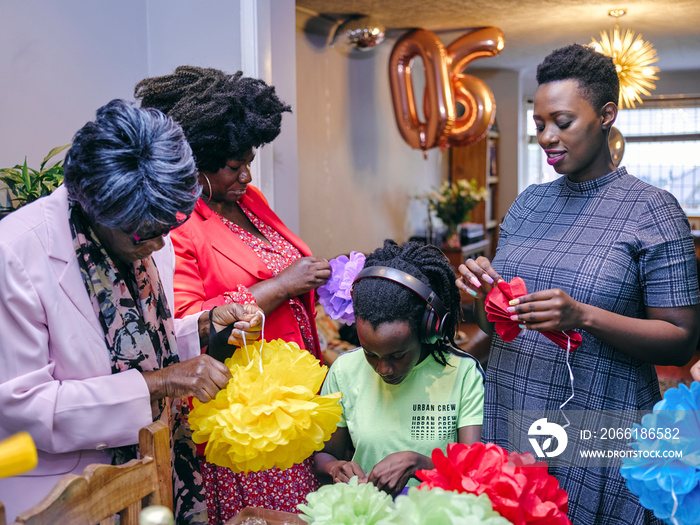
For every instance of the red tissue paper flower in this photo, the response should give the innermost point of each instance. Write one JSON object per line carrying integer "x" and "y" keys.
{"x": 496, "y": 311}
{"x": 520, "y": 489}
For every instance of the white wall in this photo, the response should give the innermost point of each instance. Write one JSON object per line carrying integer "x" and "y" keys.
{"x": 59, "y": 62}
{"x": 204, "y": 33}
{"x": 283, "y": 75}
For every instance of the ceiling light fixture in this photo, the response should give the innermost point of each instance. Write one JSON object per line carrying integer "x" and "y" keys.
{"x": 358, "y": 32}
{"x": 632, "y": 57}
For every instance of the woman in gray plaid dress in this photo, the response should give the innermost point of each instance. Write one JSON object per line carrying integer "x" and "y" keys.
{"x": 602, "y": 253}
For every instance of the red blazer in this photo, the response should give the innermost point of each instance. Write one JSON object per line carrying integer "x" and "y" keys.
{"x": 212, "y": 260}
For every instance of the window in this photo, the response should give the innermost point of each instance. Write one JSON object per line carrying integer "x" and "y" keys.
{"x": 662, "y": 147}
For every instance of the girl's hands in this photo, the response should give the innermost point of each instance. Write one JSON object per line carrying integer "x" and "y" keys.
{"x": 478, "y": 277}
{"x": 393, "y": 472}
{"x": 551, "y": 309}
{"x": 342, "y": 471}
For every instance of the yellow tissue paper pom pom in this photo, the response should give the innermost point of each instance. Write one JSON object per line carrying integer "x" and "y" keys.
{"x": 269, "y": 418}
{"x": 17, "y": 455}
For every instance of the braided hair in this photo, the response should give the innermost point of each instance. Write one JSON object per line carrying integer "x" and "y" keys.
{"x": 223, "y": 116}
{"x": 594, "y": 72}
{"x": 379, "y": 301}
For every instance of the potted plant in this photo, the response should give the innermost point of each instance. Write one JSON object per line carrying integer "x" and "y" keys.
{"x": 26, "y": 184}
{"x": 452, "y": 202}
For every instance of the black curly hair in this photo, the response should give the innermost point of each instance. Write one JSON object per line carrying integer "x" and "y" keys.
{"x": 223, "y": 115}
{"x": 382, "y": 301}
{"x": 594, "y": 72}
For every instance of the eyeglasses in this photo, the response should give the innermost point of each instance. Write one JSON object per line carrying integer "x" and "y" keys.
{"x": 180, "y": 219}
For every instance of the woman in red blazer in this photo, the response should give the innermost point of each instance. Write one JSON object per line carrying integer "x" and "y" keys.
{"x": 234, "y": 248}
{"x": 215, "y": 267}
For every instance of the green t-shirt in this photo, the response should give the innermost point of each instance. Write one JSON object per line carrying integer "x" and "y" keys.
{"x": 421, "y": 413}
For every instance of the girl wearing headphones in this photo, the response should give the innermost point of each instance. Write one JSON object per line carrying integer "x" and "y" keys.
{"x": 407, "y": 390}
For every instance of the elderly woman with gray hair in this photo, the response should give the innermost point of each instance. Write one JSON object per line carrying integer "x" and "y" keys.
{"x": 89, "y": 349}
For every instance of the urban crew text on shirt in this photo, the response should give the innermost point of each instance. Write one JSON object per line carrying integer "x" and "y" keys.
{"x": 433, "y": 421}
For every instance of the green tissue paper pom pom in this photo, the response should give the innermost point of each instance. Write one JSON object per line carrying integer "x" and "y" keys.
{"x": 442, "y": 507}
{"x": 347, "y": 504}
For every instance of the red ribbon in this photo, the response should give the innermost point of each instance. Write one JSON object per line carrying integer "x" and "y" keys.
{"x": 497, "y": 311}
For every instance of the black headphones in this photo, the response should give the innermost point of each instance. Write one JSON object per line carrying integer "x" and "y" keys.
{"x": 436, "y": 318}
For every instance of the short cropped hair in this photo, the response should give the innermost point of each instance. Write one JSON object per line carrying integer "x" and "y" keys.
{"x": 131, "y": 169}
{"x": 594, "y": 72}
{"x": 223, "y": 115}
{"x": 379, "y": 301}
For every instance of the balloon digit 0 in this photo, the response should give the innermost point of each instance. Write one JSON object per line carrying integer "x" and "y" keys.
{"x": 438, "y": 99}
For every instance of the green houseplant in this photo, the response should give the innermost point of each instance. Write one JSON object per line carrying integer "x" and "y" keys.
{"x": 452, "y": 202}
{"x": 26, "y": 184}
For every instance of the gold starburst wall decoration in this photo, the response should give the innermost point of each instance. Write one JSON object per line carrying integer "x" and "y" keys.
{"x": 633, "y": 58}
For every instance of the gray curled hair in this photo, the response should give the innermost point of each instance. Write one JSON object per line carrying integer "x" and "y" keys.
{"x": 131, "y": 169}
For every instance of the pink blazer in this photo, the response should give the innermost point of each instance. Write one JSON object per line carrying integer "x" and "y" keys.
{"x": 56, "y": 380}
{"x": 210, "y": 260}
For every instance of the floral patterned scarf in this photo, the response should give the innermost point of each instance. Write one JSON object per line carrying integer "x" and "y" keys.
{"x": 139, "y": 333}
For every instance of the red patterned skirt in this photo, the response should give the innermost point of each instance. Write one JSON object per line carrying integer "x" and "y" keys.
{"x": 228, "y": 492}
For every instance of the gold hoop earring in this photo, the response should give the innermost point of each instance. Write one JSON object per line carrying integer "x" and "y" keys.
{"x": 208, "y": 184}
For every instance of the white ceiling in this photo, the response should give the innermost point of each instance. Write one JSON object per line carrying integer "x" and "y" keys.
{"x": 533, "y": 28}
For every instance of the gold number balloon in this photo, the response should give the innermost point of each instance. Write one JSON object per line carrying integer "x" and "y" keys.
{"x": 446, "y": 88}
{"x": 479, "y": 105}
{"x": 471, "y": 92}
{"x": 439, "y": 109}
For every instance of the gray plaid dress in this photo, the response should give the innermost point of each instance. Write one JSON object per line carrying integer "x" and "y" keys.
{"x": 616, "y": 243}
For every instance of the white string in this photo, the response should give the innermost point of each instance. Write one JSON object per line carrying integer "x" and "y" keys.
{"x": 675, "y": 504}
{"x": 245, "y": 347}
{"x": 262, "y": 340}
{"x": 571, "y": 379}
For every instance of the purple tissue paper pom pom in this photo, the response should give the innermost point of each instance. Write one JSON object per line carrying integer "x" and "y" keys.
{"x": 334, "y": 295}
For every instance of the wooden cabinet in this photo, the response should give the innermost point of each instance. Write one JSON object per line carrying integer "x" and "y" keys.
{"x": 480, "y": 161}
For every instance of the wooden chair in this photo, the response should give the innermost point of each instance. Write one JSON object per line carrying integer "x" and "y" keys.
{"x": 105, "y": 490}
